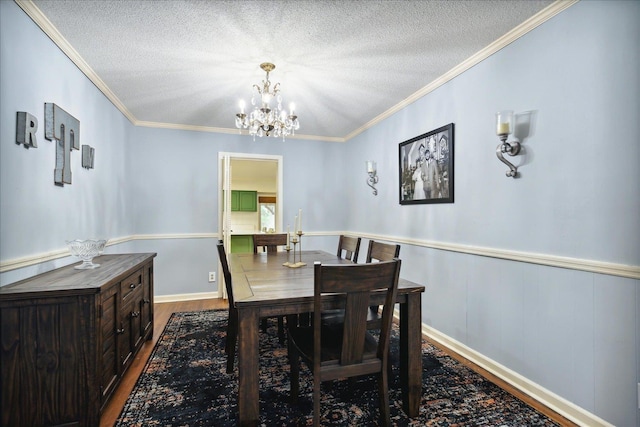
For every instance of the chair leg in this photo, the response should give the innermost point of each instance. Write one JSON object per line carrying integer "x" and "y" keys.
{"x": 232, "y": 337}
{"x": 281, "y": 330}
{"x": 383, "y": 391}
{"x": 294, "y": 363}
{"x": 316, "y": 401}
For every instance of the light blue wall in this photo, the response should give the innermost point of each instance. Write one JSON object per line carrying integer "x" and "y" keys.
{"x": 574, "y": 332}
{"x": 36, "y": 215}
{"x": 174, "y": 185}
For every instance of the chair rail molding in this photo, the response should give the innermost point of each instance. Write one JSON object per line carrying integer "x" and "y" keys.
{"x": 16, "y": 263}
{"x": 593, "y": 266}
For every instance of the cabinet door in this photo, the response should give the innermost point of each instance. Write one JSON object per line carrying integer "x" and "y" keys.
{"x": 241, "y": 244}
{"x": 130, "y": 327}
{"x": 130, "y": 340}
{"x": 110, "y": 330}
{"x": 146, "y": 309}
{"x": 136, "y": 323}
{"x": 235, "y": 200}
{"x": 124, "y": 339}
{"x": 46, "y": 362}
{"x": 248, "y": 201}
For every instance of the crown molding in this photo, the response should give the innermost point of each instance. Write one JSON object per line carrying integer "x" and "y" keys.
{"x": 229, "y": 131}
{"x": 52, "y": 32}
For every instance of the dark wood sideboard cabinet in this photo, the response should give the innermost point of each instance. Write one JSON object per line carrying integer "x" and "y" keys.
{"x": 67, "y": 336}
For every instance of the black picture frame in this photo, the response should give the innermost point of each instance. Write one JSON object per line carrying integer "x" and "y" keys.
{"x": 417, "y": 174}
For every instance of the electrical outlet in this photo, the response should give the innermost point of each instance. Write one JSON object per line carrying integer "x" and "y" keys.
{"x": 212, "y": 276}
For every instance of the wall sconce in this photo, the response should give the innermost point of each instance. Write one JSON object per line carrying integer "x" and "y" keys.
{"x": 373, "y": 177}
{"x": 504, "y": 127}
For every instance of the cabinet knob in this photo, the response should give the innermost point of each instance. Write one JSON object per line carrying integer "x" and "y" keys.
{"x": 120, "y": 331}
{"x": 146, "y": 301}
{"x": 132, "y": 286}
{"x": 135, "y": 313}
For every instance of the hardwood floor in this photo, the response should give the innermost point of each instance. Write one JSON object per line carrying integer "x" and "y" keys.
{"x": 163, "y": 311}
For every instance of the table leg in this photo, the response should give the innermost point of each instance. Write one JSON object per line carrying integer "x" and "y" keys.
{"x": 248, "y": 388}
{"x": 411, "y": 353}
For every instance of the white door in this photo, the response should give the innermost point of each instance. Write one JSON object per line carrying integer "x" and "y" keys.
{"x": 224, "y": 202}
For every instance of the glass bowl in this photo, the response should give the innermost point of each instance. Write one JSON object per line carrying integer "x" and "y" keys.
{"x": 86, "y": 250}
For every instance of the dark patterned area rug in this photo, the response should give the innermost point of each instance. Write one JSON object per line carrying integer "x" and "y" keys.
{"x": 185, "y": 384}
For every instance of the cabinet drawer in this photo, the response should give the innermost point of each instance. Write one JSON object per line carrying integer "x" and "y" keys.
{"x": 131, "y": 284}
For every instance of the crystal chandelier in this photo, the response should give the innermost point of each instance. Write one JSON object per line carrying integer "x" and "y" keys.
{"x": 265, "y": 120}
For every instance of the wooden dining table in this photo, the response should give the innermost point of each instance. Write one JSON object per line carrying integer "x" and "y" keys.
{"x": 264, "y": 287}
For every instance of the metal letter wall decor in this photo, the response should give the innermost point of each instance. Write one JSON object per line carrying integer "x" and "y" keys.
{"x": 26, "y": 127}
{"x": 87, "y": 156}
{"x": 61, "y": 127}
{"x": 65, "y": 130}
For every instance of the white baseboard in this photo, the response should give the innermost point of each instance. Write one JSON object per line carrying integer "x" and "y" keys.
{"x": 184, "y": 297}
{"x": 547, "y": 398}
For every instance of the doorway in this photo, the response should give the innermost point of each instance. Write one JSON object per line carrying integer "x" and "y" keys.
{"x": 244, "y": 171}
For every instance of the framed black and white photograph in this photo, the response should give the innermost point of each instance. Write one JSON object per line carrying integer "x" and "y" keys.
{"x": 426, "y": 167}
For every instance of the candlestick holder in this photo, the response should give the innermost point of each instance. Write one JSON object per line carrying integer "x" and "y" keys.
{"x": 288, "y": 249}
{"x": 299, "y": 233}
{"x": 294, "y": 264}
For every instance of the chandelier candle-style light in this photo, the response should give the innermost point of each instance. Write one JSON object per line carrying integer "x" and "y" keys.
{"x": 265, "y": 119}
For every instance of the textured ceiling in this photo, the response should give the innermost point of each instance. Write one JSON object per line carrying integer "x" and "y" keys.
{"x": 186, "y": 64}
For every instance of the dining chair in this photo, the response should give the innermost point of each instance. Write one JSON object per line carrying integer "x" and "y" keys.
{"x": 347, "y": 350}
{"x": 382, "y": 251}
{"x": 232, "y": 325}
{"x": 269, "y": 242}
{"x": 349, "y": 247}
{"x": 377, "y": 252}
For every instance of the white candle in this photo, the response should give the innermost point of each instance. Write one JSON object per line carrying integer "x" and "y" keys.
{"x": 288, "y": 234}
{"x": 370, "y": 166}
{"x": 295, "y": 223}
{"x": 291, "y": 107}
{"x": 503, "y": 128}
{"x": 242, "y": 106}
{"x": 299, "y": 219}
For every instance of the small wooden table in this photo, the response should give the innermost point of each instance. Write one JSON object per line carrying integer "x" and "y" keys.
{"x": 263, "y": 287}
